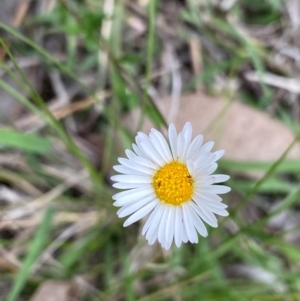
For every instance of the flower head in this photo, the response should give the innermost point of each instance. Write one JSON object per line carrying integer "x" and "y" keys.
{"x": 173, "y": 183}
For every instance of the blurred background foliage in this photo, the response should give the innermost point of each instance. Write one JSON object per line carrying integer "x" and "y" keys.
{"x": 70, "y": 70}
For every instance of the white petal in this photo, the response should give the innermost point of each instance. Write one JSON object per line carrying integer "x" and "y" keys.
{"x": 210, "y": 159}
{"x": 143, "y": 135}
{"x": 128, "y": 171}
{"x": 209, "y": 169}
{"x": 138, "y": 151}
{"x": 208, "y": 180}
{"x": 211, "y": 197}
{"x": 129, "y": 185}
{"x": 139, "y": 140}
{"x": 207, "y": 158}
{"x": 207, "y": 146}
{"x": 178, "y": 226}
{"x": 185, "y": 238}
{"x": 215, "y": 209}
{"x": 132, "y": 192}
{"x": 217, "y": 189}
{"x": 187, "y": 133}
{"x": 140, "y": 213}
{"x": 127, "y": 201}
{"x": 164, "y": 145}
{"x": 173, "y": 140}
{"x": 213, "y": 204}
{"x": 145, "y": 162}
{"x": 132, "y": 179}
{"x": 136, "y": 166}
{"x": 129, "y": 196}
{"x": 156, "y": 221}
{"x": 130, "y": 154}
{"x": 162, "y": 226}
{"x": 156, "y": 143}
{"x": 218, "y": 154}
{"x": 206, "y": 215}
{"x": 167, "y": 245}
{"x": 201, "y": 160}
{"x": 197, "y": 223}
{"x": 152, "y": 234}
{"x": 191, "y": 168}
{"x": 129, "y": 209}
{"x": 152, "y": 153}
{"x": 170, "y": 225}
{"x": 180, "y": 146}
{"x": 150, "y": 220}
{"x": 189, "y": 226}
{"x": 221, "y": 212}
{"x": 220, "y": 178}
{"x": 194, "y": 147}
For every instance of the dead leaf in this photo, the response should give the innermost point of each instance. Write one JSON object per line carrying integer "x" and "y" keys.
{"x": 55, "y": 291}
{"x": 20, "y": 13}
{"x": 245, "y": 133}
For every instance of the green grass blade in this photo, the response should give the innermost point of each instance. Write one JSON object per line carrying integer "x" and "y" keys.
{"x": 35, "y": 250}
{"x": 31, "y": 143}
{"x": 45, "y": 54}
{"x": 150, "y": 53}
{"x": 291, "y": 166}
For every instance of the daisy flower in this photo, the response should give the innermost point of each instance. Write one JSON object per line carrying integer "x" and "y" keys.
{"x": 172, "y": 183}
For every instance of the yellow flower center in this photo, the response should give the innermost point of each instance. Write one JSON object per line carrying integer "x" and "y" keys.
{"x": 173, "y": 184}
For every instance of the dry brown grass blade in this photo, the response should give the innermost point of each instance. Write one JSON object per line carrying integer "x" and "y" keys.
{"x": 56, "y": 291}
{"x": 45, "y": 199}
{"x": 61, "y": 111}
{"x": 20, "y": 13}
{"x": 19, "y": 181}
{"x": 8, "y": 260}
{"x": 60, "y": 218}
{"x": 196, "y": 57}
